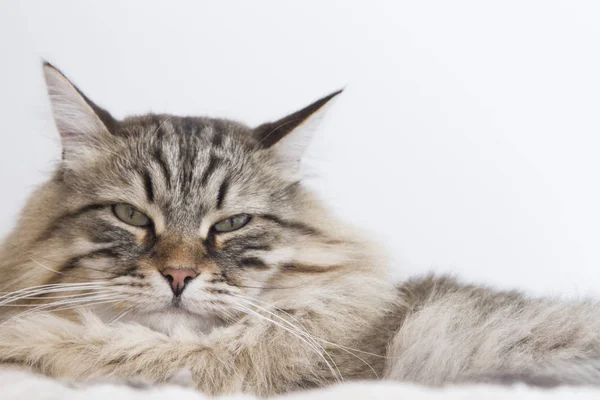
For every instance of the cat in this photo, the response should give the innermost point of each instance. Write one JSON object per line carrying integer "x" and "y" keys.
{"x": 164, "y": 244}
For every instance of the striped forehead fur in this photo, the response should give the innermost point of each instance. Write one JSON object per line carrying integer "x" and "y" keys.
{"x": 185, "y": 174}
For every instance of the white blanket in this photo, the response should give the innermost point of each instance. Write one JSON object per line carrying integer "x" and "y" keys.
{"x": 20, "y": 385}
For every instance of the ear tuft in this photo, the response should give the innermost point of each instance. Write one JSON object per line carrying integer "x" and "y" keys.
{"x": 78, "y": 120}
{"x": 291, "y": 135}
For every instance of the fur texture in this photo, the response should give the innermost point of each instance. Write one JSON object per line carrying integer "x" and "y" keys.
{"x": 290, "y": 299}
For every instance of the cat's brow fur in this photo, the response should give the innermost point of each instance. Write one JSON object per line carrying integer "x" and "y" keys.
{"x": 295, "y": 299}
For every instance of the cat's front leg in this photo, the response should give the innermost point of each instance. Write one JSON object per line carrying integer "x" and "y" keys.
{"x": 89, "y": 349}
{"x": 265, "y": 356}
{"x": 249, "y": 356}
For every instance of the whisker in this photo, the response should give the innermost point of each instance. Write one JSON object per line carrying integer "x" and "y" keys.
{"x": 105, "y": 291}
{"x": 55, "y": 303}
{"x": 42, "y": 288}
{"x": 40, "y": 296}
{"x": 80, "y": 300}
{"x": 16, "y": 296}
{"x": 72, "y": 286}
{"x": 269, "y": 305}
{"x": 39, "y": 264}
{"x": 94, "y": 304}
{"x": 71, "y": 304}
{"x": 119, "y": 316}
{"x": 314, "y": 337}
{"x": 335, "y": 372}
{"x": 297, "y": 329}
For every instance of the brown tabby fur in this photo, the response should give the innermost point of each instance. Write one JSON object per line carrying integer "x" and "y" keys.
{"x": 294, "y": 299}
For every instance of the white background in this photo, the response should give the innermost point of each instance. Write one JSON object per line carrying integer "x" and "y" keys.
{"x": 467, "y": 140}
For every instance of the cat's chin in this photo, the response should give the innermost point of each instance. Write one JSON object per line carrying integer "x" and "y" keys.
{"x": 170, "y": 320}
{"x": 175, "y": 319}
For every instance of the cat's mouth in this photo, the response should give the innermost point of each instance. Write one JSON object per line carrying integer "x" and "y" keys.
{"x": 176, "y": 302}
{"x": 177, "y": 307}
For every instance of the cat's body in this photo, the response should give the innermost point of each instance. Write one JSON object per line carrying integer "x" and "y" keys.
{"x": 193, "y": 245}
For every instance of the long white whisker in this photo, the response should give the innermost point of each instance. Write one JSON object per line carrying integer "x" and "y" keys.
{"x": 268, "y": 305}
{"x": 55, "y": 289}
{"x": 119, "y": 316}
{"x": 314, "y": 337}
{"x": 100, "y": 283}
{"x": 39, "y": 264}
{"x": 333, "y": 371}
{"x": 11, "y": 299}
{"x": 72, "y": 296}
{"x": 73, "y": 304}
{"x": 72, "y": 307}
{"x": 80, "y": 300}
{"x": 42, "y": 297}
{"x": 58, "y": 285}
{"x": 303, "y": 332}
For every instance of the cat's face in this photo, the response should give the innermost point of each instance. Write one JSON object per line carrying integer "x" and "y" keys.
{"x": 167, "y": 216}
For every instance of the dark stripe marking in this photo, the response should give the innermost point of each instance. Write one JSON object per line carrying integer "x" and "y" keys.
{"x": 308, "y": 268}
{"x": 148, "y": 186}
{"x": 253, "y": 262}
{"x": 299, "y": 226}
{"x": 160, "y": 160}
{"x": 73, "y": 262}
{"x": 187, "y": 126}
{"x": 264, "y": 247}
{"x": 212, "y": 165}
{"x": 222, "y": 192}
{"x": 247, "y": 242}
{"x": 47, "y": 233}
{"x": 217, "y": 138}
{"x": 105, "y": 232}
{"x": 193, "y": 157}
{"x": 188, "y": 153}
{"x": 133, "y": 271}
{"x": 217, "y": 291}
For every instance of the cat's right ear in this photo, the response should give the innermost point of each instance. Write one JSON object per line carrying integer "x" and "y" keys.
{"x": 83, "y": 126}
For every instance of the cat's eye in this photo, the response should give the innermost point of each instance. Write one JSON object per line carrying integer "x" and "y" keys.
{"x": 232, "y": 223}
{"x": 130, "y": 215}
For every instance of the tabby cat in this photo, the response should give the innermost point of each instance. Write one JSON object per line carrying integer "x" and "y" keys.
{"x": 164, "y": 244}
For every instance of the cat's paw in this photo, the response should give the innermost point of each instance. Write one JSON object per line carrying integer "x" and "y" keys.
{"x": 183, "y": 377}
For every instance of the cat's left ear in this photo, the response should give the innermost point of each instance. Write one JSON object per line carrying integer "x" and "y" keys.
{"x": 83, "y": 126}
{"x": 291, "y": 135}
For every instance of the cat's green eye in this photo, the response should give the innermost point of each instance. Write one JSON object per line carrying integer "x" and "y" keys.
{"x": 130, "y": 215}
{"x": 232, "y": 223}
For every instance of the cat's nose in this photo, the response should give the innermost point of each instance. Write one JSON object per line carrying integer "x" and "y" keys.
{"x": 178, "y": 278}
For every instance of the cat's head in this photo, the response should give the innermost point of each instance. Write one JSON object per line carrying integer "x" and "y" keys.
{"x": 159, "y": 216}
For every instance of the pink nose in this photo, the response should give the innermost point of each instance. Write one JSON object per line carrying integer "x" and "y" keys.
{"x": 178, "y": 278}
